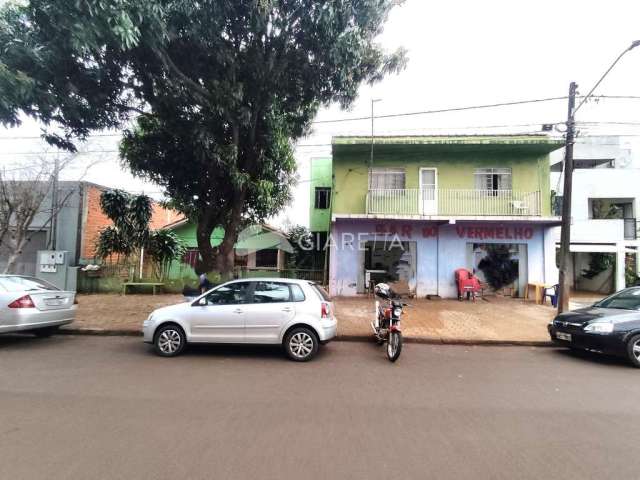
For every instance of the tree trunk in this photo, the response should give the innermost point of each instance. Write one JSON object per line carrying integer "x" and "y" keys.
{"x": 11, "y": 263}
{"x": 16, "y": 251}
{"x": 206, "y": 225}
{"x": 226, "y": 250}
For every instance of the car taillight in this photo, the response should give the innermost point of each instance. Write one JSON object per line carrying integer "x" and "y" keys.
{"x": 22, "y": 302}
{"x": 325, "y": 310}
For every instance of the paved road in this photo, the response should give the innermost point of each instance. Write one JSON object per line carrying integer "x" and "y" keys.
{"x": 102, "y": 408}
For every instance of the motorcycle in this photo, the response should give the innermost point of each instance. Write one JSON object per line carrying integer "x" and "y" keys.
{"x": 386, "y": 325}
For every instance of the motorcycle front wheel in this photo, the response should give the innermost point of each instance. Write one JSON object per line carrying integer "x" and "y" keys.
{"x": 394, "y": 346}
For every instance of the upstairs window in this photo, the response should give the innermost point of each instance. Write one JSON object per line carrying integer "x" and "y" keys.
{"x": 323, "y": 197}
{"x": 386, "y": 178}
{"x": 493, "y": 179}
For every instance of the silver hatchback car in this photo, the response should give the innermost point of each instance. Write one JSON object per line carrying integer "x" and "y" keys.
{"x": 297, "y": 314}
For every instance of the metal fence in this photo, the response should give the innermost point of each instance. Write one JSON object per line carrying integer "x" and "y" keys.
{"x": 630, "y": 229}
{"x": 417, "y": 201}
{"x": 301, "y": 274}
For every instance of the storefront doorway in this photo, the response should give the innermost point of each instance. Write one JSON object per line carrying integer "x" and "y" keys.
{"x": 515, "y": 253}
{"x": 390, "y": 262}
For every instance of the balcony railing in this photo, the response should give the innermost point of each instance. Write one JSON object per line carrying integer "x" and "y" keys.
{"x": 630, "y": 229}
{"x": 417, "y": 201}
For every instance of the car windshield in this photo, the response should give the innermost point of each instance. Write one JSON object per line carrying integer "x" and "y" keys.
{"x": 626, "y": 300}
{"x": 24, "y": 284}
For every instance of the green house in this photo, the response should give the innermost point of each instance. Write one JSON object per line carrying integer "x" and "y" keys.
{"x": 443, "y": 176}
{"x": 320, "y": 189}
{"x": 260, "y": 250}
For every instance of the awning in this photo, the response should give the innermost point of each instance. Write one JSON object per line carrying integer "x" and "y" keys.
{"x": 583, "y": 163}
{"x": 597, "y": 248}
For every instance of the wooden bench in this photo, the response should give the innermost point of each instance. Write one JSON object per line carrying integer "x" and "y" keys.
{"x": 153, "y": 285}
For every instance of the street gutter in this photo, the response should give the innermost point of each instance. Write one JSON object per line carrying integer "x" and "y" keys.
{"x": 339, "y": 338}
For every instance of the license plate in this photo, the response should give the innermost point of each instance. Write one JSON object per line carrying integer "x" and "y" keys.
{"x": 53, "y": 303}
{"x": 563, "y": 336}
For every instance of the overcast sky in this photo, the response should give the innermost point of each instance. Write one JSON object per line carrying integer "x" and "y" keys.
{"x": 460, "y": 53}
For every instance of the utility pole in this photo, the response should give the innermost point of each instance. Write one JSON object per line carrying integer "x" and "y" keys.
{"x": 373, "y": 101}
{"x": 54, "y": 204}
{"x": 566, "y": 263}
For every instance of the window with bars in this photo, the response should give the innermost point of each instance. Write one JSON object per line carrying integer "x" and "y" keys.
{"x": 386, "y": 178}
{"x": 323, "y": 197}
{"x": 493, "y": 179}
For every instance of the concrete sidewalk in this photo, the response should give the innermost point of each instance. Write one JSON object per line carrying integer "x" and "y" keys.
{"x": 496, "y": 320}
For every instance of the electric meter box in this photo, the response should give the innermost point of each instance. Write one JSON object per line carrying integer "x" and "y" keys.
{"x": 53, "y": 267}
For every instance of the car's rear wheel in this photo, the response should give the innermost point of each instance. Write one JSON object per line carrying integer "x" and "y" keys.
{"x": 301, "y": 344}
{"x": 169, "y": 341}
{"x": 633, "y": 350}
{"x": 45, "y": 332}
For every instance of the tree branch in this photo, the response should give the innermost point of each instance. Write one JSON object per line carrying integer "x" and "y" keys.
{"x": 134, "y": 109}
{"x": 171, "y": 66}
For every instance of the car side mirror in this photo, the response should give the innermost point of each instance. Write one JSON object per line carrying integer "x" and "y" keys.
{"x": 201, "y": 302}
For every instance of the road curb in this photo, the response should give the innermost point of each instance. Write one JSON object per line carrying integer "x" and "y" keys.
{"x": 100, "y": 332}
{"x": 454, "y": 341}
{"x": 340, "y": 338}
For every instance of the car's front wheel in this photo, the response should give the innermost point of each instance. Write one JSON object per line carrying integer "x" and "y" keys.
{"x": 170, "y": 341}
{"x": 633, "y": 351}
{"x": 301, "y": 344}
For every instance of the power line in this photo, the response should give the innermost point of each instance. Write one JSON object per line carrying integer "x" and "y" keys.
{"x": 443, "y": 110}
{"x": 402, "y": 114}
{"x": 614, "y": 97}
{"x": 59, "y": 152}
{"x": 473, "y": 107}
{"x": 39, "y": 137}
{"x": 610, "y": 135}
{"x": 608, "y": 123}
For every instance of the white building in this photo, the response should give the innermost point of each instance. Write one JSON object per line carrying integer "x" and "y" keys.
{"x": 604, "y": 208}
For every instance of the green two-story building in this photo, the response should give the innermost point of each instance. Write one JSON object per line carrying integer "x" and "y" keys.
{"x": 414, "y": 209}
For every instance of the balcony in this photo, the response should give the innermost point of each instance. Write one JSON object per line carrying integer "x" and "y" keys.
{"x": 443, "y": 202}
{"x": 605, "y": 231}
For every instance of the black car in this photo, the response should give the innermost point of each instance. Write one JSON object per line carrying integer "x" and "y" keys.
{"x": 610, "y": 326}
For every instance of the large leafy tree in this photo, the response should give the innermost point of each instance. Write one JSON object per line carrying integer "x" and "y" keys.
{"x": 219, "y": 89}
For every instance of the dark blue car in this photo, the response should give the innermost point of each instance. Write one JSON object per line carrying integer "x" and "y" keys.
{"x": 610, "y": 326}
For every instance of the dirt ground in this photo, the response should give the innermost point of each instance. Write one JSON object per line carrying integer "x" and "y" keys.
{"x": 494, "y": 319}
{"x": 117, "y": 312}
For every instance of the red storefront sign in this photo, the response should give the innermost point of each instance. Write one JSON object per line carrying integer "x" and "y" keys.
{"x": 478, "y": 233}
{"x": 405, "y": 230}
{"x": 495, "y": 233}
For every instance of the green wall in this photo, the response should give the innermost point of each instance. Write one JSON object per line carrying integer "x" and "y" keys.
{"x": 187, "y": 233}
{"x": 530, "y": 169}
{"x": 321, "y": 176}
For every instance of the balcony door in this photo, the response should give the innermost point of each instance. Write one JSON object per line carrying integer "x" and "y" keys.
{"x": 428, "y": 197}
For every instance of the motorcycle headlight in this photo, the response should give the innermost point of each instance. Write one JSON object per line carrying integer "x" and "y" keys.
{"x": 397, "y": 312}
{"x": 599, "y": 327}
